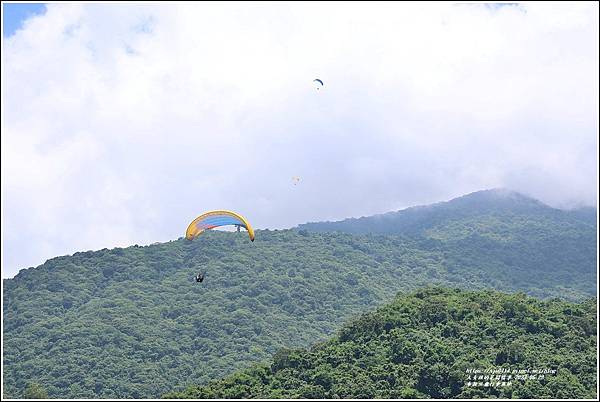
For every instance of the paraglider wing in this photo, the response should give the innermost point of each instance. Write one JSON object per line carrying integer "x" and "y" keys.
{"x": 319, "y": 81}
{"x": 215, "y": 219}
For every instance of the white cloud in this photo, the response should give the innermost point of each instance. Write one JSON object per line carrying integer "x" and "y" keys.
{"x": 123, "y": 122}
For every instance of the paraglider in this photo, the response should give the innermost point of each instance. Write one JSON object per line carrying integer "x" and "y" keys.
{"x": 318, "y": 81}
{"x": 295, "y": 180}
{"x": 213, "y": 219}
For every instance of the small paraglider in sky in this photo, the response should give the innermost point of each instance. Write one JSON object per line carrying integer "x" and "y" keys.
{"x": 318, "y": 83}
{"x": 295, "y": 180}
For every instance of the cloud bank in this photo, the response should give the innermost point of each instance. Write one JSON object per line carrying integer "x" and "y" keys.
{"x": 121, "y": 123}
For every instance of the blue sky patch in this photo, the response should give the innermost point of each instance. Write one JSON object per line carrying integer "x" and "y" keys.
{"x": 14, "y": 14}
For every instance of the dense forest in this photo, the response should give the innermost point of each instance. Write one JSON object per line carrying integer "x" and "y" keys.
{"x": 132, "y": 323}
{"x": 436, "y": 343}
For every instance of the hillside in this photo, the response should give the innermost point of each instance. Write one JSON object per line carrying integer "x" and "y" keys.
{"x": 423, "y": 345}
{"x": 497, "y": 233}
{"x": 131, "y": 322}
{"x": 473, "y": 212}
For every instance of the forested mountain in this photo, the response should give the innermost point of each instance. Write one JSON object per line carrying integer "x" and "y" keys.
{"x": 131, "y": 322}
{"x": 495, "y": 233}
{"x": 436, "y": 343}
{"x": 479, "y": 212}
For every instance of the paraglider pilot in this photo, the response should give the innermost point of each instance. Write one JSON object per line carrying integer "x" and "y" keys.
{"x": 199, "y": 276}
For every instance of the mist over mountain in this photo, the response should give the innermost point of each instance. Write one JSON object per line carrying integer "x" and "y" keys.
{"x": 486, "y": 204}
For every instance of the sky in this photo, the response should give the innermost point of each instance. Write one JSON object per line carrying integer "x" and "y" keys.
{"x": 123, "y": 122}
{"x": 15, "y": 14}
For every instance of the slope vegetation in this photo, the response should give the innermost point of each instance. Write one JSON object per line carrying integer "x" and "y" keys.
{"x": 132, "y": 322}
{"x": 436, "y": 343}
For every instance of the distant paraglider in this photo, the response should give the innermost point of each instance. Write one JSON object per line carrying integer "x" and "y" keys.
{"x": 295, "y": 180}
{"x": 319, "y": 83}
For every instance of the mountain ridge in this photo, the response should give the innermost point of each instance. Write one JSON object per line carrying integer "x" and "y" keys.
{"x": 131, "y": 322}
{"x": 415, "y": 219}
